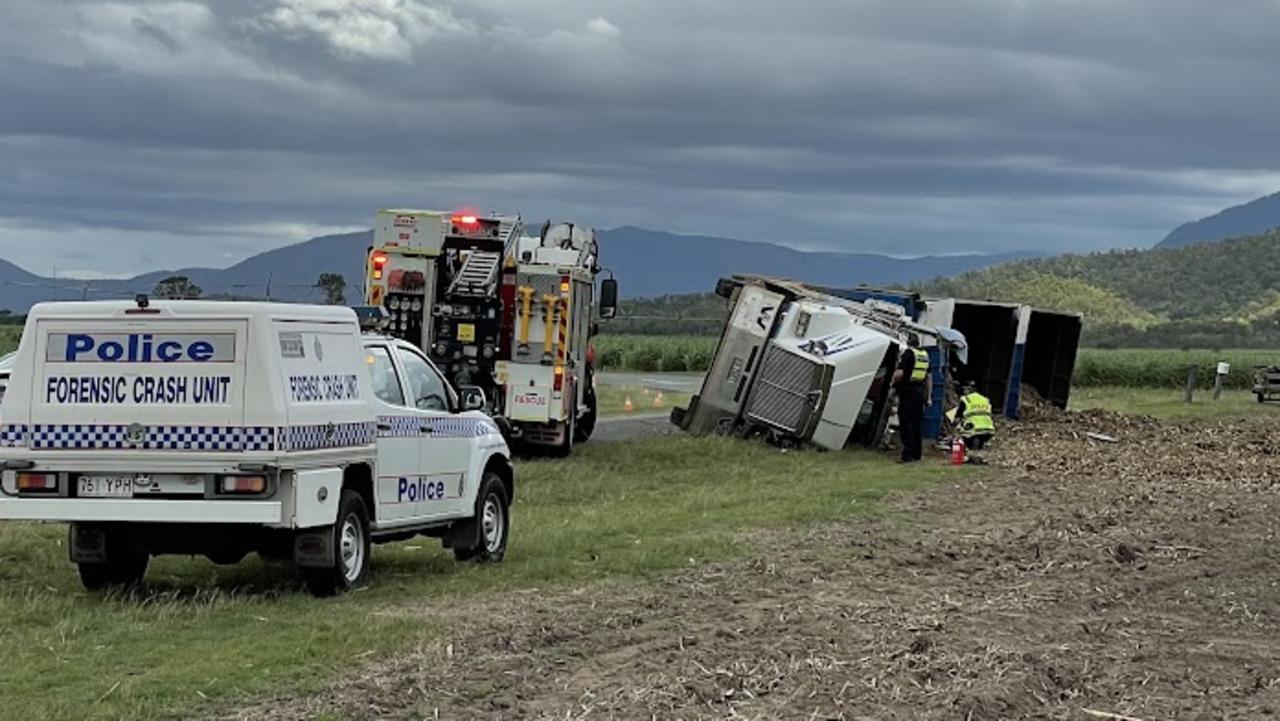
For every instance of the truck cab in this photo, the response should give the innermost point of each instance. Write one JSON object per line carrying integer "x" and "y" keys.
{"x": 221, "y": 429}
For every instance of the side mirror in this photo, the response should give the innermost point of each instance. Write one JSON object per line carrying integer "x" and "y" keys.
{"x": 471, "y": 398}
{"x": 608, "y": 298}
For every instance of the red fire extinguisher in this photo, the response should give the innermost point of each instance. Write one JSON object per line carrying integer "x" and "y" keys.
{"x": 957, "y": 452}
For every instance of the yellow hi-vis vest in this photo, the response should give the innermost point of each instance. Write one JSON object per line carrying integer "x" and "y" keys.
{"x": 977, "y": 416}
{"x": 921, "y": 370}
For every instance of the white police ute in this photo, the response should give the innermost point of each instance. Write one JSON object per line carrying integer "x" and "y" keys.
{"x": 222, "y": 429}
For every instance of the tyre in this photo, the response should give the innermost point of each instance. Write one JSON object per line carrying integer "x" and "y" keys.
{"x": 1262, "y": 398}
{"x": 587, "y": 423}
{"x": 124, "y": 571}
{"x": 491, "y": 525}
{"x": 351, "y": 550}
{"x": 125, "y": 566}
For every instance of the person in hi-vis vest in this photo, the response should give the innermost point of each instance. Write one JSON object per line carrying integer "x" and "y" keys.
{"x": 911, "y": 380}
{"x": 974, "y": 420}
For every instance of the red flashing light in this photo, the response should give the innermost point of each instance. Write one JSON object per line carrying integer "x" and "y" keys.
{"x": 379, "y": 260}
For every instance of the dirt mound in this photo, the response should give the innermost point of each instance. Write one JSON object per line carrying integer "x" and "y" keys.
{"x": 1134, "y": 576}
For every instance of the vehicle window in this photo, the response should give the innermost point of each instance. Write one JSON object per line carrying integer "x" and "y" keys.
{"x": 427, "y": 387}
{"x": 386, "y": 385}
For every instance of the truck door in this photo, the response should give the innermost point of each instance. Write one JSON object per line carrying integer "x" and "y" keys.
{"x": 440, "y": 485}
{"x": 398, "y": 439}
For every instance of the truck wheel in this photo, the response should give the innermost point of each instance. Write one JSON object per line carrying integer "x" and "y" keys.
{"x": 492, "y": 523}
{"x": 1262, "y": 398}
{"x": 587, "y": 423}
{"x": 351, "y": 550}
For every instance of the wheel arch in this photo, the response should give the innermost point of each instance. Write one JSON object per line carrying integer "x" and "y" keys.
{"x": 501, "y": 465}
{"x": 359, "y": 478}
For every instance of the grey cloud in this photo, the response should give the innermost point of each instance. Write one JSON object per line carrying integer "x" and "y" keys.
{"x": 870, "y": 125}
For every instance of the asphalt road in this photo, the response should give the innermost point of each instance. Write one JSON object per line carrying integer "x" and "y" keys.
{"x": 630, "y": 428}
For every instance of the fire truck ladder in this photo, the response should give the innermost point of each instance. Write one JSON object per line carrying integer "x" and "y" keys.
{"x": 478, "y": 274}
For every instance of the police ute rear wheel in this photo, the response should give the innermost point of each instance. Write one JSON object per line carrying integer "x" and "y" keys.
{"x": 123, "y": 565}
{"x": 491, "y": 525}
{"x": 351, "y": 550}
{"x": 126, "y": 571}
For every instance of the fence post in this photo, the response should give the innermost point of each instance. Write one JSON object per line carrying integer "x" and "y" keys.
{"x": 1223, "y": 369}
{"x": 1192, "y": 375}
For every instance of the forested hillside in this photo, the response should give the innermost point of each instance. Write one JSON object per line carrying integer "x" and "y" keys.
{"x": 1223, "y": 294}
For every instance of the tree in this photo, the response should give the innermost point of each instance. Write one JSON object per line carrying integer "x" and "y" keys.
{"x": 176, "y": 287}
{"x": 334, "y": 287}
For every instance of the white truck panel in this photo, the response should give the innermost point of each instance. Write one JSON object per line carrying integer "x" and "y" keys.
{"x": 315, "y": 497}
{"x": 531, "y": 393}
{"x": 418, "y": 230}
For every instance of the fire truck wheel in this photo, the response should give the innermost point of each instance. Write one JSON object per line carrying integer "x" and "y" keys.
{"x": 587, "y": 423}
{"x": 492, "y": 523}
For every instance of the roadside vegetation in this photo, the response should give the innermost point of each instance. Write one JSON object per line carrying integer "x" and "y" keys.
{"x": 203, "y": 635}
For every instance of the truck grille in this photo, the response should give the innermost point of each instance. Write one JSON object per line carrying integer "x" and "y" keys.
{"x": 783, "y": 389}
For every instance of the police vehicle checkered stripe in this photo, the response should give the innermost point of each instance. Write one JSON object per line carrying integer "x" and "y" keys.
{"x": 161, "y": 438}
{"x": 13, "y": 436}
{"x": 411, "y": 427}
{"x": 399, "y": 426}
{"x": 328, "y": 435}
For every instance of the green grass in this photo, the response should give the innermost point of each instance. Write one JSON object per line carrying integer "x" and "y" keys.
{"x": 1169, "y": 404}
{"x": 613, "y": 399}
{"x": 209, "y": 635}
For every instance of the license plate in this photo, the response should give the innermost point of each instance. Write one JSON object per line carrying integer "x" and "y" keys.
{"x": 105, "y": 487}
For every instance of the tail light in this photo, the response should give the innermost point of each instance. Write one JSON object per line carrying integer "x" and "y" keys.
{"x": 37, "y": 482}
{"x": 564, "y": 285}
{"x": 559, "y": 383}
{"x": 379, "y": 262}
{"x": 243, "y": 484}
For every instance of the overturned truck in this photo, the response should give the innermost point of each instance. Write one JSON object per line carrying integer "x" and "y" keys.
{"x": 808, "y": 364}
{"x": 796, "y": 365}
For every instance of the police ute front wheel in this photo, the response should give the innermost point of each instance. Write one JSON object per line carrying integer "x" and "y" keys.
{"x": 351, "y": 550}
{"x": 491, "y": 525}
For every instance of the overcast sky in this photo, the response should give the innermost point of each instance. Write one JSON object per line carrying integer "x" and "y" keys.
{"x": 139, "y": 135}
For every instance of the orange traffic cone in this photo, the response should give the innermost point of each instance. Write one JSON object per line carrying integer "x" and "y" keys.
{"x": 628, "y": 407}
{"x": 657, "y": 400}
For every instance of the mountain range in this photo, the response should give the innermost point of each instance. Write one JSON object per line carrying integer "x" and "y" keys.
{"x": 647, "y": 263}
{"x": 1253, "y": 218}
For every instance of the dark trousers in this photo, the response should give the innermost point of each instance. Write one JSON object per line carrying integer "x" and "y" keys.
{"x": 911, "y": 421}
{"x": 977, "y": 442}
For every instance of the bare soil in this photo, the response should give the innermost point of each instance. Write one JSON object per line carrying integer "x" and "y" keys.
{"x": 1076, "y": 579}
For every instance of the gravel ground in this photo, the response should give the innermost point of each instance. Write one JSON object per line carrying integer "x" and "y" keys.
{"x": 1079, "y": 579}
